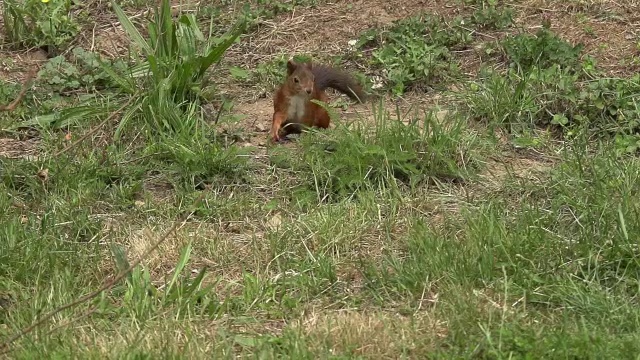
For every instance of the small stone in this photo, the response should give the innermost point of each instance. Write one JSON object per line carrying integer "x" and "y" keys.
{"x": 261, "y": 127}
{"x": 442, "y": 114}
{"x": 275, "y": 222}
{"x": 43, "y": 174}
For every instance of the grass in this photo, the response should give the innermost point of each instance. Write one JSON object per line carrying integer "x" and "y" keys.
{"x": 498, "y": 225}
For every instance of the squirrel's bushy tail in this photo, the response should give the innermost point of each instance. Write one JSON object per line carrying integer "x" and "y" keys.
{"x": 327, "y": 77}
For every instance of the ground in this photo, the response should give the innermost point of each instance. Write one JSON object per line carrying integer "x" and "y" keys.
{"x": 451, "y": 218}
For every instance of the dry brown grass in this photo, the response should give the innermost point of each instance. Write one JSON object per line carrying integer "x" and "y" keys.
{"x": 372, "y": 334}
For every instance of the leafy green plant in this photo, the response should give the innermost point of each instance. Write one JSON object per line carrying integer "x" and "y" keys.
{"x": 493, "y": 16}
{"x": 251, "y": 12}
{"x": 415, "y": 52}
{"x": 614, "y": 103}
{"x": 84, "y": 71}
{"x": 417, "y": 68}
{"x": 627, "y": 143}
{"x": 284, "y": 6}
{"x": 8, "y": 91}
{"x": 39, "y": 23}
{"x": 543, "y": 50}
{"x": 255, "y": 11}
{"x": 136, "y": 4}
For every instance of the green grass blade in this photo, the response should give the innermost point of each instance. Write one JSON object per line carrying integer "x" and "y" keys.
{"x": 182, "y": 263}
{"x": 215, "y": 55}
{"x": 130, "y": 29}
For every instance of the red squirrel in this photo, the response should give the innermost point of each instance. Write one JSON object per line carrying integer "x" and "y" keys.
{"x": 292, "y": 105}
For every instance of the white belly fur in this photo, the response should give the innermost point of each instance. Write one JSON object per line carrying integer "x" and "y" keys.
{"x": 296, "y": 109}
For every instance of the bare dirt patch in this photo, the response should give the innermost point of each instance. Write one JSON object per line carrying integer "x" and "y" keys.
{"x": 110, "y": 42}
{"x": 326, "y": 30}
{"x": 161, "y": 261}
{"x": 18, "y": 149}
{"x": 15, "y": 65}
{"x": 525, "y": 166}
{"x": 256, "y": 121}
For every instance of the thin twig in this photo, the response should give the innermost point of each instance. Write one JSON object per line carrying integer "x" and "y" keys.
{"x": 23, "y": 91}
{"x": 219, "y": 112}
{"x": 65, "y": 324}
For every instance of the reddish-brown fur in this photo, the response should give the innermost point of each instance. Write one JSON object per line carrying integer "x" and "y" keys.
{"x": 292, "y": 103}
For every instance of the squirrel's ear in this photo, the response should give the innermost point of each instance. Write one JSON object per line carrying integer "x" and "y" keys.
{"x": 291, "y": 66}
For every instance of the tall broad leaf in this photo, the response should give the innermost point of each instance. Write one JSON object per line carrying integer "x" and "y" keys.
{"x": 216, "y": 53}
{"x": 130, "y": 29}
{"x": 67, "y": 116}
{"x": 168, "y": 28}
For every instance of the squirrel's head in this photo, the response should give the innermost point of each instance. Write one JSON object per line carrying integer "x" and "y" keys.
{"x": 300, "y": 76}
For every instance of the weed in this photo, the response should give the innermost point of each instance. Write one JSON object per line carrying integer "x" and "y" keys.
{"x": 415, "y": 52}
{"x": 543, "y": 50}
{"x": 84, "y": 73}
{"x": 255, "y": 12}
{"x": 627, "y": 143}
{"x": 136, "y": 4}
{"x": 38, "y": 23}
{"x": 492, "y": 16}
{"x": 270, "y": 73}
{"x": 8, "y": 92}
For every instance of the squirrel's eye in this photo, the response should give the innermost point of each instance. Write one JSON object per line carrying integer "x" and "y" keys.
{"x": 296, "y": 79}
